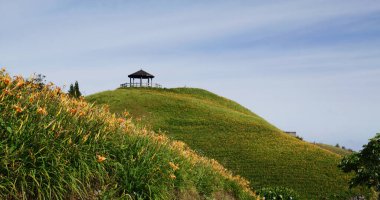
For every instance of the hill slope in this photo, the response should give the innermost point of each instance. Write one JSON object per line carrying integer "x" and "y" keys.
{"x": 236, "y": 137}
{"x": 56, "y": 147}
{"x": 337, "y": 150}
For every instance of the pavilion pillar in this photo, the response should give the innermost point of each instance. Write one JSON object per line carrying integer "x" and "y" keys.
{"x": 130, "y": 82}
{"x": 148, "y": 82}
{"x": 140, "y": 81}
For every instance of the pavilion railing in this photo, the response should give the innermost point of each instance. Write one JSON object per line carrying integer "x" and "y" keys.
{"x": 124, "y": 85}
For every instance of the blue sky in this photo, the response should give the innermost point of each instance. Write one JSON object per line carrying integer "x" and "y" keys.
{"x": 306, "y": 66}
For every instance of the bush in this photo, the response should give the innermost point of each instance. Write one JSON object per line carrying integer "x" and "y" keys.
{"x": 365, "y": 165}
{"x": 278, "y": 193}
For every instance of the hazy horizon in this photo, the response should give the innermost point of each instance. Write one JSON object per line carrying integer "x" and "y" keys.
{"x": 311, "y": 67}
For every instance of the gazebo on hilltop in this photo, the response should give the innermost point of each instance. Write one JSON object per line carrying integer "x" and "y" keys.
{"x": 141, "y": 74}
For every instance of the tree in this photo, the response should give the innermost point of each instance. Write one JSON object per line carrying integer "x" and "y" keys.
{"x": 39, "y": 80}
{"x": 77, "y": 93}
{"x": 365, "y": 164}
{"x": 71, "y": 91}
{"x": 74, "y": 90}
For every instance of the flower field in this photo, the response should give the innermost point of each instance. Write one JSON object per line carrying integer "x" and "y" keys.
{"x": 56, "y": 147}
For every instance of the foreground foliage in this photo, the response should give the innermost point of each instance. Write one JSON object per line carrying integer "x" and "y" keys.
{"x": 365, "y": 164}
{"x": 239, "y": 139}
{"x": 56, "y": 147}
{"x": 277, "y": 193}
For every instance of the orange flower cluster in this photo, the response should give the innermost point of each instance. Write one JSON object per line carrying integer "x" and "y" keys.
{"x": 6, "y": 80}
{"x": 42, "y": 111}
{"x": 173, "y": 166}
{"x": 81, "y": 113}
{"x": 57, "y": 91}
{"x": 18, "y": 108}
{"x": 100, "y": 158}
{"x": 6, "y": 92}
{"x": 172, "y": 176}
{"x": 110, "y": 124}
{"x": 73, "y": 111}
{"x": 121, "y": 120}
{"x": 160, "y": 138}
{"x": 20, "y": 82}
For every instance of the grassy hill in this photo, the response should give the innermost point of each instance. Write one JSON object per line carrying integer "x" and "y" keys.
{"x": 337, "y": 150}
{"x": 56, "y": 147}
{"x": 238, "y": 138}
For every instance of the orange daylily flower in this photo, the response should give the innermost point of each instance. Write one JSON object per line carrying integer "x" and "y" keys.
{"x": 173, "y": 166}
{"x": 121, "y": 120}
{"x": 57, "y": 90}
{"x": 172, "y": 176}
{"x": 73, "y": 111}
{"x": 42, "y": 111}
{"x": 6, "y": 92}
{"x": 6, "y": 80}
{"x": 20, "y": 82}
{"x": 100, "y": 158}
{"x": 81, "y": 113}
{"x": 17, "y": 108}
{"x": 160, "y": 138}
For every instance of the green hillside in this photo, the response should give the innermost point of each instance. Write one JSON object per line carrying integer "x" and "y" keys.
{"x": 56, "y": 147}
{"x": 337, "y": 150}
{"x": 239, "y": 139}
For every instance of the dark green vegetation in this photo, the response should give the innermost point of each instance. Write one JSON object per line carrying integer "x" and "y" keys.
{"x": 277, "y": 193}
{"x": 56, "y": 147}
{"x": 74, "y": 90}
{"x": 239, "y": 139}
{"x": 365, "y": 164}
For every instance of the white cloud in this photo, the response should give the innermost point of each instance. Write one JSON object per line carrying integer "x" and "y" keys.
{"x": 77, "y": 31}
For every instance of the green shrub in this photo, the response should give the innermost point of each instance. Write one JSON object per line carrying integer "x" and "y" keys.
{"x": 277, "y": 193}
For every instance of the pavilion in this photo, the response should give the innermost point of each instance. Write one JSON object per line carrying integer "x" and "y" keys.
{"x": 140, "y": 75}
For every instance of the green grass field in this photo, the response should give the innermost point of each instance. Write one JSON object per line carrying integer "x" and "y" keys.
{"x": 337, "y": 150}
{"x": 239, "y": 139}
{"x": 56, "y": 147}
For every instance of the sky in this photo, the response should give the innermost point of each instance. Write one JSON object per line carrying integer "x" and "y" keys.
{"x": 307, "y": 66}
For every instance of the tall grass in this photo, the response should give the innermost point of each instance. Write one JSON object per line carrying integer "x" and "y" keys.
{"x": 55, "y": 147}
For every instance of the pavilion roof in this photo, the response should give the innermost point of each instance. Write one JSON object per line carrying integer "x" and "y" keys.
{"x": 141, "y": 74}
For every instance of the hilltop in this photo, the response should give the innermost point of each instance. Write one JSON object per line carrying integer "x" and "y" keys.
{"x": 56, "y": 147}
{"x": 238, "y": 138}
